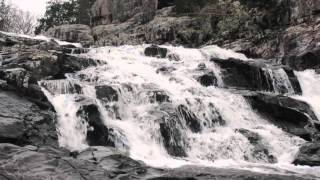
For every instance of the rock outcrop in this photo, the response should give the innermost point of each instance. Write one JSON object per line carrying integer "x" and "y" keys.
{"x": 309, "y": 154}
{"x": 72, "y": 33}
{"x": 300, "y": 47}
{"x": 109, "y": 11}
{"x": 256, "y": 75}
{"x": 293, "y": 116}
{"x": 98, "y": 163}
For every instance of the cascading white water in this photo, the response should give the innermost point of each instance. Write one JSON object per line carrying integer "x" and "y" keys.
{"x": 72, "y": 131}
{"x": 137, "y": 123}
{"x": 310, "y": 85}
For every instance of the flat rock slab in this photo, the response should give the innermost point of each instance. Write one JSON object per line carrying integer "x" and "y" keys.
{"x": 34, "y": 163}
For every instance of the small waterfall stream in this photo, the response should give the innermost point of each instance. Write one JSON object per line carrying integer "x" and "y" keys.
{"x": 155, "y": 97}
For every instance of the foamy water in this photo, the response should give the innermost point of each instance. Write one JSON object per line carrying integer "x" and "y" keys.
{"x": 310, "y": 85}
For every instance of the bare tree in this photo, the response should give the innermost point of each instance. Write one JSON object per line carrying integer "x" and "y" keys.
{"x": 15, "y": 20}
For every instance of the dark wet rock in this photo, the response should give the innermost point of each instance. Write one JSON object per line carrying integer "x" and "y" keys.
{"x": 293, "y": 80}
{"x": 172, "y": 138}
{"x": 309, "y": 154}
{"x": 208, "y": 79}
{"x": 166, "y": 70}
{"x": 252, "y": 75}
{"x": 23, "y": 122}
{"x": 107, "y": 93}
{"x": 293, "y": 116}
{"x": 216, "y": 116}
{"x": 260, "y": 151}
{"x": 192, "y": 121}
{"x": 156, "y": 51}
{"x": 171, "y": 132}
{"x": 165, "y": 3}
{"x": 244, "y": 75}
{"x": 98, "y": 132}
{"x": 72, "y": 64}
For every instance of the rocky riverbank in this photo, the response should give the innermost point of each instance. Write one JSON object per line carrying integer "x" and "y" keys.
{"x": 286, "y": 31}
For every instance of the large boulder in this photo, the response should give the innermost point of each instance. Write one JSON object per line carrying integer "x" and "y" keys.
{"x": 71, "y": 64}
{"x": 257, "y": 76}
{"x": 172, "y": 137}
{"x": 156, "y": 51}
{"x": 299, "y": 47}
{"x": 72, "y": 33}
{"x": 205, "y": 76}
{"x": 309, "y": 154}
{"x": 107, "y": 93}
{"x": 23, "y": 122}
{"x": 293, "y": 116}
{"x": 171, "y": 130}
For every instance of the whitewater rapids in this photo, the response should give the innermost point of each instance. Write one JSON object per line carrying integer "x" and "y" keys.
{"x": 137, "y": 129}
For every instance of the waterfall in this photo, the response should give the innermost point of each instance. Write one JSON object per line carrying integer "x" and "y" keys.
{"x": 310, "y": 84}
{"x": 151, "y": 99}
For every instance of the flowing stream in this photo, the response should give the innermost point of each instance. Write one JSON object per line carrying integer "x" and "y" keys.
{"x": 137, "y": 115}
